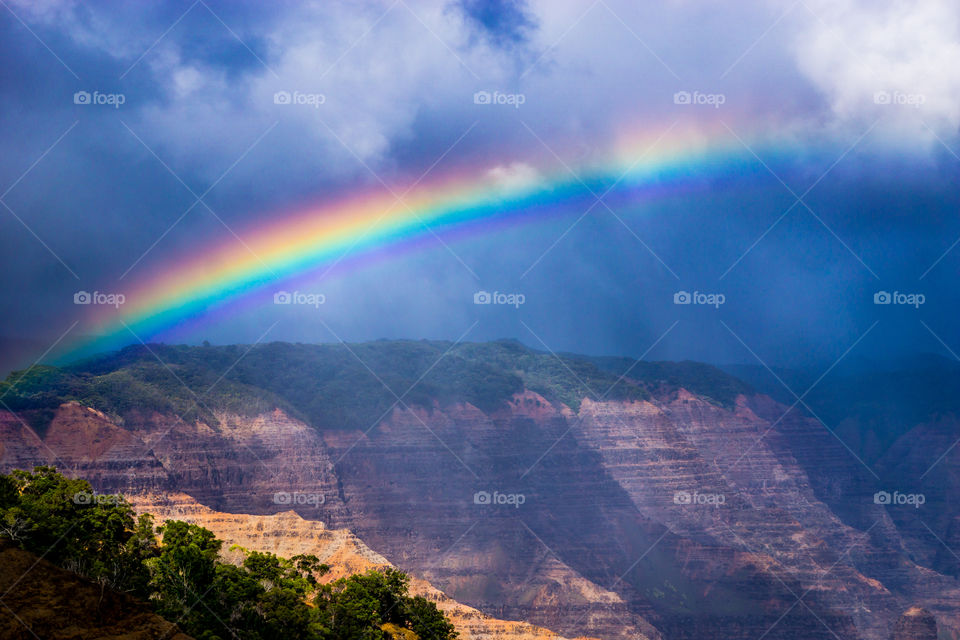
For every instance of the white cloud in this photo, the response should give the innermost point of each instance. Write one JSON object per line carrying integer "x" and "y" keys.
{"x": 868, "y": 56}
{"x": 517, "y": 175}
{"x": 378, "y": 66}
{"x": 116, "y": 31}
{"x": 374, "y": 72}
{"x": 585, "y": 74}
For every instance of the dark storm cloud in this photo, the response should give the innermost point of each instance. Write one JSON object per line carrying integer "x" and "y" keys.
{"x": 115, "y": 198}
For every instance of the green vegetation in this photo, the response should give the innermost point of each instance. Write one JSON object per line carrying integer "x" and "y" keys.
{"x": 180, "y": 572}
{"x": 558, "y": 378}
{"x": 342, "y": 386}
{"x": 46, "y": 513}
{"x": 696, "y": 377}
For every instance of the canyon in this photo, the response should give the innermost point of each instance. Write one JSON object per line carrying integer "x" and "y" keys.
{"x": 523, "y": 491}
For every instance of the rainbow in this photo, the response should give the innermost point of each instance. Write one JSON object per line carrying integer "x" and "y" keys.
{"x": 282, "y": 248}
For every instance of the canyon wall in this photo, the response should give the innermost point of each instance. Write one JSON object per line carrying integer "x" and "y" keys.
{"x": 671, "y": 517}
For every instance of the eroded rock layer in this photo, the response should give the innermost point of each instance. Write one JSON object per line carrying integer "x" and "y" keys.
{"x": 673, "y": 517}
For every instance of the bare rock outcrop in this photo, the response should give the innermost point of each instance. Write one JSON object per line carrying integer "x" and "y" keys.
{"x": 916, "y": 623}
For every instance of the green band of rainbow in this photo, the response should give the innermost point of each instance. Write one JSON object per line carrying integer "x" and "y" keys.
{"x": 293, "y": 245}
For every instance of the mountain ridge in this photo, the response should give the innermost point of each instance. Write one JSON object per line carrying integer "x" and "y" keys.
{"x": 484, "y": 374}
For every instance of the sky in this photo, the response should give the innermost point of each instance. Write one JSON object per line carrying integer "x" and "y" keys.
{"x": 139, "y": 138}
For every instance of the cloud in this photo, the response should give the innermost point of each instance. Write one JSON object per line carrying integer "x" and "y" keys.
{"x": 205, "y": 91}
{"x": 122, "y": 30}
{"x": 887, "y": 59}
{"x": 517, "y": 175}
{"x": 354, "y": 99}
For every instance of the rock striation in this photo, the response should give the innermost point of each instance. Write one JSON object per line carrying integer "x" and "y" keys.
{"x": 665, "y": 514}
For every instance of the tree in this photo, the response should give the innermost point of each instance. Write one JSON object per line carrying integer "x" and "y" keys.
{"x": 265, "y": 597}
{"x": 427, "y": 621}
{"x": 64, "y": 520}
{"x": 183, "y": 573}
{"x": 359, "y": 606}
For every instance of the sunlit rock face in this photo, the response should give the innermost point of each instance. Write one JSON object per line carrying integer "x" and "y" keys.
{"x": 288, "y": 534}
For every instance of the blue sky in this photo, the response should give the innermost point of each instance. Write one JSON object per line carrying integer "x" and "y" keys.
{"x": 97, "y": 195}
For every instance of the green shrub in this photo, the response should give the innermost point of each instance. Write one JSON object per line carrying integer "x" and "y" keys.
{"x": 266, "y": 597}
